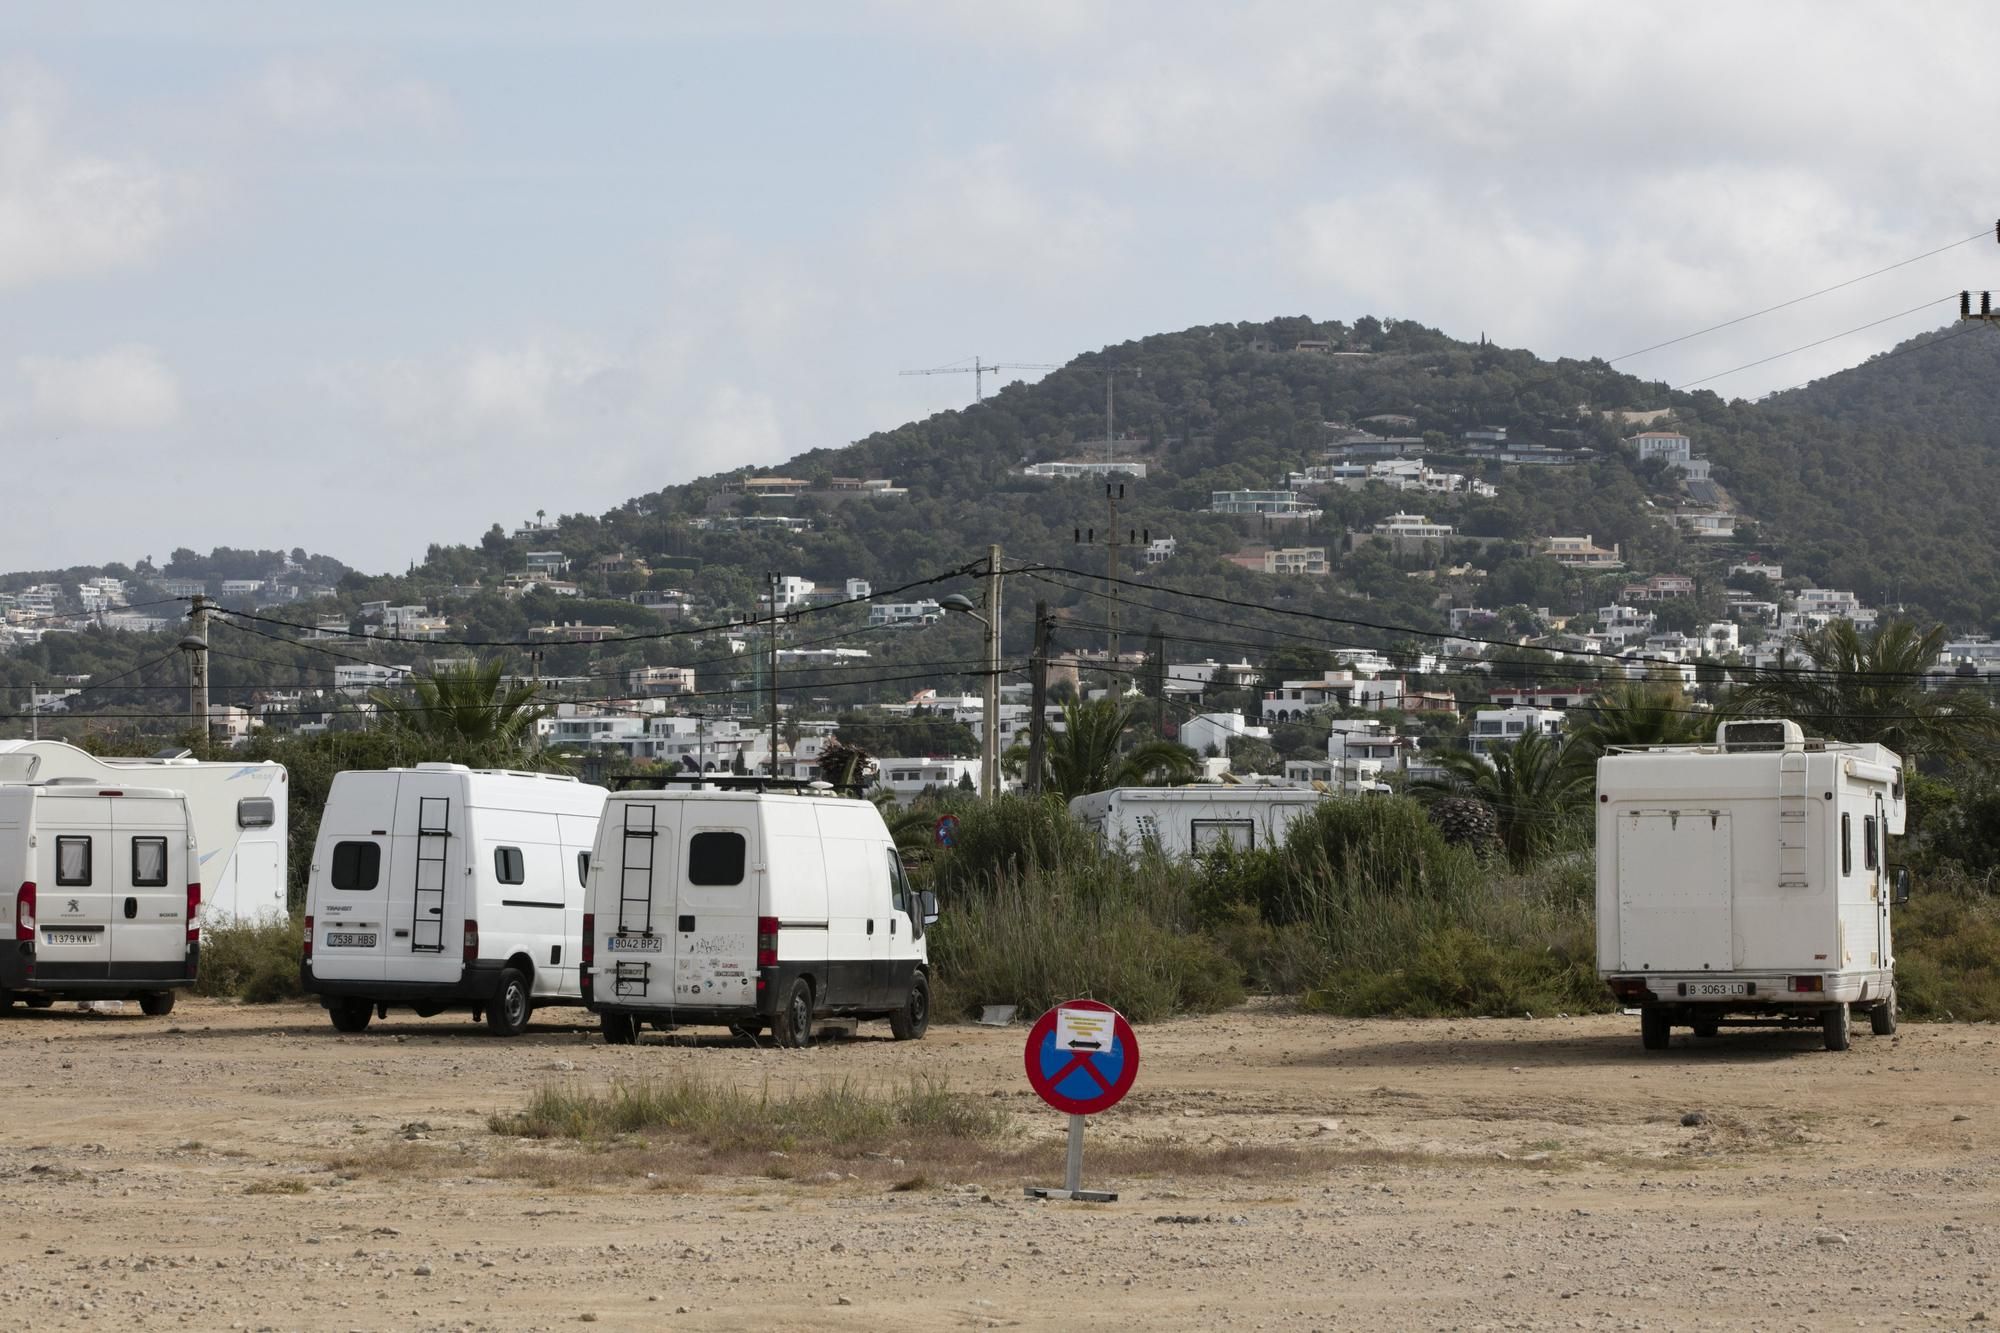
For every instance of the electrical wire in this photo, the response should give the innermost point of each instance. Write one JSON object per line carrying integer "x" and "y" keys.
{"x": 1817, "y": 342}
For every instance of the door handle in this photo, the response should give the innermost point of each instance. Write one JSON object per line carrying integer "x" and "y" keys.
{"x": 435, "y": 911}
{"x": 892, "y": 925}
{"x": 871, "y": 925}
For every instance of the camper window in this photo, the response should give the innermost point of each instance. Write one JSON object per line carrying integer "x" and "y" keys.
{"x": 149, "y": 863}
{"x": 1869, "y": 856}
{"x": 356, "y": 866}
{"x": 1846, "y": 845}
{"x": 508, "y": 867}
{"x": 73, "y": 863}
{"x": 1206, "y": 833}
{"x": 715, "y": 858}
{"x": 256, "y": 812}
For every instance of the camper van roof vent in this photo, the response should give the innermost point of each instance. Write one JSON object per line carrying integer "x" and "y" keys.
{"x": 1755, "y": 735}
{"x": 442, "y": 768}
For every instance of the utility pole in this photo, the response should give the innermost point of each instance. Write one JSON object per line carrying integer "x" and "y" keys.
{"x": 773, "y": 578}
{"x": 989, "y": 749}
{"x": 1986, "y": 313}
{"x": 195, "y": 645}
{"x": 1038, "y": 701}
{"x": 35, "y": 711}
{"x": 1114, "y": 492}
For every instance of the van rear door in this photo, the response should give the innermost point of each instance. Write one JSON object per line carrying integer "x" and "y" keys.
{"x": 715, "y": 926}
{"x": 149, "y": 881}
{"x": 1675, "y": 894}
{"x": 349, "y": 891}
{"x": 634, "y": 902}
{"x": 75, "y": 879}
{"x": 428, "y": 886}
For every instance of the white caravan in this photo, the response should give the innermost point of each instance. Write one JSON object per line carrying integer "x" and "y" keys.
{"x": 239, "y": 814}
{"x": 108, "y": 895}
{"x": 1187, "y": 820}
{"x": 443, "y": 887}
{"x": 751, "y": 901}
{"x": 1749, "y": 880}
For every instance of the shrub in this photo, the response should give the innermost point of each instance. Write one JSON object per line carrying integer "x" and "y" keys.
{"x": 257, "y": 964}
{"x": 1948, "y": 950}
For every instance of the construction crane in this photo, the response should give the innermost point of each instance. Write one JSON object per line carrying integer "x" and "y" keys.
{"x": 979, "y": 370}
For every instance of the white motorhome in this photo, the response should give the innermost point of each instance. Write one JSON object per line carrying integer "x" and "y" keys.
{"x": 751, "y": 901}
{"x": 239, "y": 812}
{"x": 108, "y": 898}
{"x": 443, "y": 887}
{"x": 1749, "y": 881}
{"x": 1188, "y": 820}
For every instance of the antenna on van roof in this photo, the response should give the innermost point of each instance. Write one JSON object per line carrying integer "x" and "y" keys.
{"x": 723, "y": 782}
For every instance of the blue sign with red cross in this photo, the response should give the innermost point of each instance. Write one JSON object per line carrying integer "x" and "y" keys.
{"x": 1082, "y": 1057}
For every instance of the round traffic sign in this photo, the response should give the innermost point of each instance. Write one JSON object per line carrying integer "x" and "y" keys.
{"x": 1082, "y": 1057}
{"x": 946, "y": 831}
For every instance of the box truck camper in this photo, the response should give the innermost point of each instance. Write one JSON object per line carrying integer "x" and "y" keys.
{"x": 747, "y": 903}
{"x": 108, "y": 894}
{"x": 1748, "y": 881}
{"x": 443, "y": 887}
{"x": 239, "y": 813}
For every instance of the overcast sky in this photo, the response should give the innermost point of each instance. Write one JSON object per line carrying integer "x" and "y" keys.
{"x": 358, "y": 277}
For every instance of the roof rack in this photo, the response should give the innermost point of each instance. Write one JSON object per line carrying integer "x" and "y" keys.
{"x": 751, "y": 782}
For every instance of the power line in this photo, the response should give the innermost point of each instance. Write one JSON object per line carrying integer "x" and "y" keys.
{"x": 1818, "y": 342}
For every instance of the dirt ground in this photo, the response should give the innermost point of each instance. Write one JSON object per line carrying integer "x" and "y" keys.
{"x": 197, "y": 1171}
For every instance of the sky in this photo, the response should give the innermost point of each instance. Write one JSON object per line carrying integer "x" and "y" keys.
{"x": 367, "y": 276}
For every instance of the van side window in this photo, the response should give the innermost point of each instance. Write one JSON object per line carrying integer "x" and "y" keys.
{"x": 583, "y": 867}
{"x": 149, "y": 863}
{"x": 256, "y": 812}
{"x": 73, "y": 863}
{"x": 715, "y": 858}
{"x": 356, "y": 866}
{"x": 1846, "y": 845}
{"x": 1869, "y": 858}
{"x": 900, "y": 895}
{"x": 508, "y": 866}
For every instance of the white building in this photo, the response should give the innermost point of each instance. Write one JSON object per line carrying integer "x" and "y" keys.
{"x": 650, "y": 681}
{"x": 913, "y": 777}
{"x": 1296, "y": 560}
{"x": 1160, "y": 550}
{"x": 1265, "y": 504}
{"x": 1493, "y": 728}
{"x": 923, "y": 612}
{"x": 1214, "y": 731}
{"x": 363, "y": 677}
{"x": 790, "y": 590}
{"x": 1415, "y": 527}
{"x": 1085, "y": 470}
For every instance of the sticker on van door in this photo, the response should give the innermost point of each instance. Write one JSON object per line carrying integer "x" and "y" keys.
{"x": 717, "y": 967}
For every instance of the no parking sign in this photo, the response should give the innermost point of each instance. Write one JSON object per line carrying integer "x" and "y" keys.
{"x": 1081, "y": 1058}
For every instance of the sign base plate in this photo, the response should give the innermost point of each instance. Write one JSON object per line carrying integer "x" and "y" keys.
{"x": 1079, "y": 1196}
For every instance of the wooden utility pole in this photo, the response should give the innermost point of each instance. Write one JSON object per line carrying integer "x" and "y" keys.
{"x": 1038, "y": 701}
{"x": 1114, "y": 493}
{"x": 989, "y": 749}
{"x": 195, "y": 645}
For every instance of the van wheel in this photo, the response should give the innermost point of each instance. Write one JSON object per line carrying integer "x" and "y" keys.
{"x": 1835, "y": 1026}
{"x": 350, "y": 1015}
{"x": 914, "y": 1019}
{"x": 1882, "y": 1018}
{"x": 1656, "y": 1029}
{"x": 793, "y": 1025}
{"x": 1707, "y": 1025}
{"x": 40, "y": 1001}
{"x": 618, "y": 1029}
{"x": 507, "y": 1012}
{"x": 158, "y": 1004}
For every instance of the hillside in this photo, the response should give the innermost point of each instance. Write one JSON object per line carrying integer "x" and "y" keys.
{"x": 1876, "y": 480}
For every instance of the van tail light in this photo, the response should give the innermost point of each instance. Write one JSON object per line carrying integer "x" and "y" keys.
{"x": 1808, "y": 984}
{"x": 1631, "y": 988}
{"x": 193, "y": 913}
{"x": 767, "y": 941}
{"x": 306, "y": 946}
{"x": 589, "y": 954}
{"x": 471, "y": 954}
{"x": 24, "y": 914}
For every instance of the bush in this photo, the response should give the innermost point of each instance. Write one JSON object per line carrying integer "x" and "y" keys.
{"x": 256, "y": 964}
{"x": 1948, "y": 950}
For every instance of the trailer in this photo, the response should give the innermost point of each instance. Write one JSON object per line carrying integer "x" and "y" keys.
{"x": 1749, "y": 882}
{"x": 1184, "y": 821}
{"x": 239, "y": 810}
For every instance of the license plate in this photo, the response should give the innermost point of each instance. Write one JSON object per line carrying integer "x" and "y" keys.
{"x": 633, "y": 944}
{"x": 69, "y": 936}
{"x": 350, "y": 939}
{"x": 1718, "y": 988}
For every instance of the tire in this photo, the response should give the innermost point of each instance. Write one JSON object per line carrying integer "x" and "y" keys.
{"x": 746, "y": 1031}
{"x": 40, "y": 1001}
{"x": 507, "y": 1012}
{"x": 1836, "y": 1026}
{"x": 1655, "y": 1029}
{"x": 793, "y": 1025}
{"x": 618, "y": 1029}
{"x": 158, "y": 1004}
{"x": 910, "y": 1022}
{"x": 1707, "y": 1025}
{"x": 351, "y": 1014}
{"x": 7, "y": 999}
{"x": 1882, "y": 1018}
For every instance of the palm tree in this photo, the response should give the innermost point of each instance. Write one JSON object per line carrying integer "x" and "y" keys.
{"x": 1873, "y": 689}
{"x": 466, "y": 707}
{"x": 1638, "y": 714}
{"x": 1085, "y": 756}
{"x": 1532, "y": 787}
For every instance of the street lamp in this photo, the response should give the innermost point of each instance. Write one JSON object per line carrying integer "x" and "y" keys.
{"x": 989, "y": 737}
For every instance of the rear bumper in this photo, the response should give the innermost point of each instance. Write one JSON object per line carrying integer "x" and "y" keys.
{"x": 23, "y": 974}
{"x": 1762, "y": 990}
{"x": 476, "y": 984}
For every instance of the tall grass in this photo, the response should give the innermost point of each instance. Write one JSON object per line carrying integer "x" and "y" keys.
{"x": 1948, "y": 949}
{"x": 258, "y": 964}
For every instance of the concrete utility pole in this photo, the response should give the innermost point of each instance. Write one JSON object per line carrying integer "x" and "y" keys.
{"x": 1986, "y": 313}
{"x": 1038, "y": 701}
{"x": 1114, "y": 493}
{"x": 195, "y": 645}
{"x": 989, "y": 749}
{"x": 35, "y": 711}
{"x": 773, "y": 578}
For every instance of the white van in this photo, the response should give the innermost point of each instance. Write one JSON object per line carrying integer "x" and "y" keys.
{"x": 1186, "y": 821}
{"x": 108, "y": 896}
{"x": 238, "y": 809}
{"x": 751, "y": 901}
{"x": 443, "y": 887}
{"x": 1749, "y": 881}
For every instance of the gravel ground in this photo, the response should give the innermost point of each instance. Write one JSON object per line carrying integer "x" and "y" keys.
{"x": 247, "y": 1168}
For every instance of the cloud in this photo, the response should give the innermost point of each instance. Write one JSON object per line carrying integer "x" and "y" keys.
{"x": 978, "y": 213}
{"x": 329, "y": 94}
{"x": 66, "y": 212}
{"x": 127, "y": 388}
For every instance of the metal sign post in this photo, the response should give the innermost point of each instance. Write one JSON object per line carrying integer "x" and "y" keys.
{"x": 1082, "y": 1058}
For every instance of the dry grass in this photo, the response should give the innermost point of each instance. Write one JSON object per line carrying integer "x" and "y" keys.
{"x": 290, "y": 1185}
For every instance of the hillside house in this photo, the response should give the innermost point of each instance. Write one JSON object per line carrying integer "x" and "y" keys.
{"x": 1080, "y": 468}
{"x": 1582, "y": 553}
{"x": 1493, "y": 728}
{"x": 1296, "y": 560}
{"x": 1263, "y": 504}
{"x": 1658, "y": 588}
{"x": 1207, "y": 733}
{"x": 904, "y": 615}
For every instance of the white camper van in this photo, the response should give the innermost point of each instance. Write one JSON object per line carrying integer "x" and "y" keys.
{"x": 1749, "y": 881}
{"x": 751, "y": 901}
{"x": 238, "y": 809}
{"x": 443, "y": 887}
{"x": 108, "y": 894}
{"x": 1187, "y": 820}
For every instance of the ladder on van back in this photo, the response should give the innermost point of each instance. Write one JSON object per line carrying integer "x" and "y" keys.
{"x": 635, "y": 869}
{"x": 427, "y": 903}
{"x": 1794, "y": 820}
